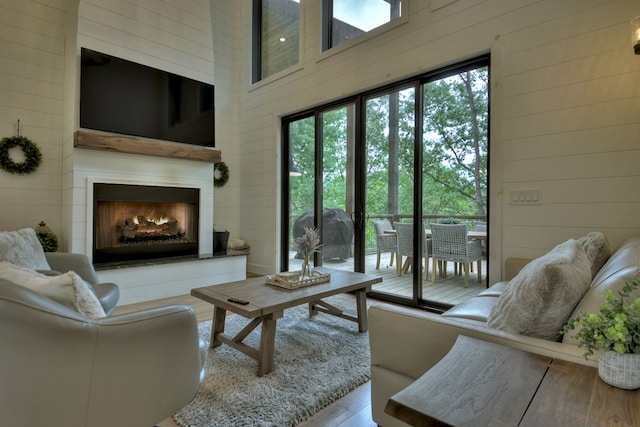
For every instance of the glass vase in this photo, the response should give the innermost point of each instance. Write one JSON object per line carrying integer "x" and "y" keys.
{"x": 306, "y": 268}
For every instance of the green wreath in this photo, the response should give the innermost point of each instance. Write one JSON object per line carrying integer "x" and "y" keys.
{"x": 32, "y": 155}
{"x": 220, "y": 174}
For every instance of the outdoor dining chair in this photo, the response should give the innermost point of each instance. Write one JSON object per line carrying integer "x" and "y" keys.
{"x": 385, "y": 242}
{"x": 451, "y": 243}
{"x": 404, "y": 234}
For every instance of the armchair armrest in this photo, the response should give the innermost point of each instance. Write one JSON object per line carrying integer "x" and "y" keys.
{"x": 107, "y": 293}
{"x": 66, "y": 261}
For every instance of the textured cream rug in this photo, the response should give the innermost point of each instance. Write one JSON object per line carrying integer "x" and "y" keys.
{"x": 317, "y": 361}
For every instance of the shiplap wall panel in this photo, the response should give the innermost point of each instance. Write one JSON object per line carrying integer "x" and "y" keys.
{"x": 604, "y": 139}
{"x": 576, "y": 94}
{"x": 133, "y": 33}
{"x": 31, "y": 73}
{"x": 571, "y": 129}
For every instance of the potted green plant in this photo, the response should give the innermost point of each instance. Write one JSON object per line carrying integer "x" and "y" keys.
{"x": 47, "y": 238}
{"x": 615, "y": 332}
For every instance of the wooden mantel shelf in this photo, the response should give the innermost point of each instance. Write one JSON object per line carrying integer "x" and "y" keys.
{"x": 97, "y": 140}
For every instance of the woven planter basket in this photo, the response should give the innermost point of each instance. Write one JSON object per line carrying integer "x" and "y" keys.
{"x": 620, "y": 370}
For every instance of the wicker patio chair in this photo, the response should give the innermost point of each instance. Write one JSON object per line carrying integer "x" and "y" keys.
{"x": 385, "y": 242}
{"x": 451, "y": 243}
{"x": 481, "y": 226}
{"x": 404, "y": 233}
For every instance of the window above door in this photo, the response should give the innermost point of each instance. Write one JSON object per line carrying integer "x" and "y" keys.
{"x": 346, "y": 20}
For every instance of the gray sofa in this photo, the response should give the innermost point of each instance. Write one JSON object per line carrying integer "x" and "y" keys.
{"x": 406, "y": 342}
{"x": 60, "y": 368}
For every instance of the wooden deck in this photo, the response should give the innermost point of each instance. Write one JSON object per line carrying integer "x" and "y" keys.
{"x": 450, "y": 290}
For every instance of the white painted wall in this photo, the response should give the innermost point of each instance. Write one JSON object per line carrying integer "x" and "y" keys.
{"x": 565, "y": 103}
{"x": 31, "y": 90}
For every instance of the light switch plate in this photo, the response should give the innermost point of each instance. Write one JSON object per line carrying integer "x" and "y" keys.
{"x": 525, "y": 197}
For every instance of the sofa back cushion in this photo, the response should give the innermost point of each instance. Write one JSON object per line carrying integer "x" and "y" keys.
{"x": 623, "y": 266}
{"x": 540, "y": 299}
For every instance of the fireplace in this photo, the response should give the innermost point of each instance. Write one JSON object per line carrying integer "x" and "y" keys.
{"x": 135, "y": 223}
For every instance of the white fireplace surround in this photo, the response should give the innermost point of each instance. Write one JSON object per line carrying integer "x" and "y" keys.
{"x": 149, "y": 282}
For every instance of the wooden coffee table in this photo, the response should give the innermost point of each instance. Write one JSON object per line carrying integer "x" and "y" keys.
{"x": 266, "y": 304}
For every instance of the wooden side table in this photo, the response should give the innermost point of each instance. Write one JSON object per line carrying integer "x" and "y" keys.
{"x": 479, "y": 383}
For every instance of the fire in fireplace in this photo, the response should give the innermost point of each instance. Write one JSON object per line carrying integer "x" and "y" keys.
{"x": 139, "y": 222}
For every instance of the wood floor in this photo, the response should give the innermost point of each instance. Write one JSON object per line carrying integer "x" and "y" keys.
{"x": 449, "y": 290}
{"x": 353, "y": 410}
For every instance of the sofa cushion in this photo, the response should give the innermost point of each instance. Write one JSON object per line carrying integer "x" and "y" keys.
{"x": 23, "y": 248}
{"x": 68, "y": 289}
{"x": 476, "y": 308}
{"x": 596, "y": 245}
{"x": 495, "y": 290}
{"x": 540, "y": 299}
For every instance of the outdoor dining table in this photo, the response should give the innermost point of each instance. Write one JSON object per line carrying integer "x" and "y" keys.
{"x": 471, "y": 234}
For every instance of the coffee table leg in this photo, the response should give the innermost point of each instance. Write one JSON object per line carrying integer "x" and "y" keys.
{"x": 267, "y": 343}
{"x": 361, "y": 303}
{"x": 219, "y": 317}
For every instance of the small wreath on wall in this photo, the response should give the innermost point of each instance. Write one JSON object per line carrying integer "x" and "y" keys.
{"x": 32, "y": 155}
{"x": 220, "y": 174}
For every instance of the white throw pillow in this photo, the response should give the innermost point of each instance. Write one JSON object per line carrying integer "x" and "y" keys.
{"x": 68, "y": 288}
{"x": 23, "y": 248}
{"x": 540, "y": 299}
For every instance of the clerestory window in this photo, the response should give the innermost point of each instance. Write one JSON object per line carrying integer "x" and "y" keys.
{"x": 276, "y": 36}
{"x": 344, "y": 20}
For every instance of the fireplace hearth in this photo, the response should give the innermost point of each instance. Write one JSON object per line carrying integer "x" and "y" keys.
{"x": 134, "y": 223}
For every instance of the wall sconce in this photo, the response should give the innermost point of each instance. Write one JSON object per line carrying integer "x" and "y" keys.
{"x": 293, "y": 169}
{"x": 635, "y": 31}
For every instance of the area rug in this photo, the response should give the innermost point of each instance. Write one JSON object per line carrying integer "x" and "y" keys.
{"x": 317, "y": 360}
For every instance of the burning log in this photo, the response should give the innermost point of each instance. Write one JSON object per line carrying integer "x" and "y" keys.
{"x": 139, "y": 228}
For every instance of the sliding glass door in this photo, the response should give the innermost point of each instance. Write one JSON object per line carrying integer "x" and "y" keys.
{"x": 389, "y": 182}
{"x": 370, "y": 169}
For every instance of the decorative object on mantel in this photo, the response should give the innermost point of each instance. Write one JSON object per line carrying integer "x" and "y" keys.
{"x": 48, "y": 238}
{"x": 220, "y": 174}
{"x": 31, "y": 152}
{"x": 295, "y": 279}
{"x": 615, "y": 332}
{"x": 308, "y": 244}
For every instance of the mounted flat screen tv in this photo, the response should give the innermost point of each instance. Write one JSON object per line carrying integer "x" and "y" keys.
{"x": 128, "y": 98}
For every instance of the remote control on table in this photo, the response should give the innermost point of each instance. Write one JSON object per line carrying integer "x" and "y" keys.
{"x": 238, "y": 301}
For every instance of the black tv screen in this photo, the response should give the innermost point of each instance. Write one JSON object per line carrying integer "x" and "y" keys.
{"x": 132, "y": 99}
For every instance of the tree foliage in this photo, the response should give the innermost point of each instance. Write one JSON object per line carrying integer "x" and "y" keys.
{"x": 455, "y": 150}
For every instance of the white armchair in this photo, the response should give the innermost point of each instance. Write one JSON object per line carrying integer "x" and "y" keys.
{"x": 59, "y": 368}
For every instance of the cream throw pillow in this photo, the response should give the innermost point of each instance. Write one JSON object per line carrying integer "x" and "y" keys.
{"x": 23, "y": 248}
{"x": 540, "y": 299}
{"x": 68, "y": 288}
